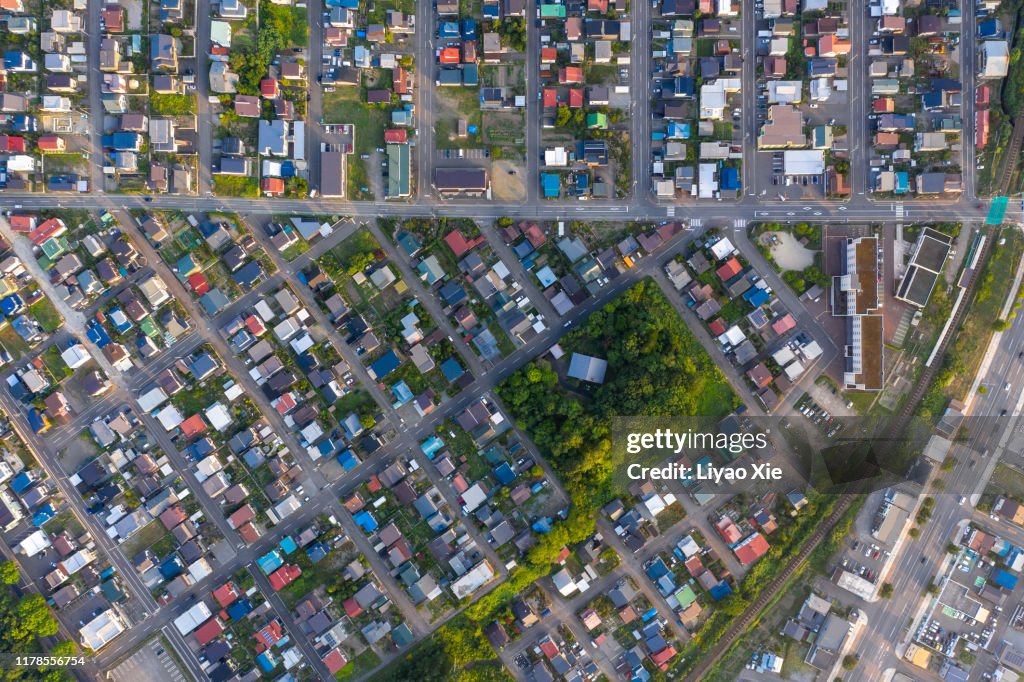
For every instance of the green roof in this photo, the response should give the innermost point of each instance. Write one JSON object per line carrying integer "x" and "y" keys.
{"x": 597, "y": 119}
{"x": 552, "y": 11}
{"x": 149, "y": 328}
{"x": 686, "y": 596}
{"x": 398, "y": 170}
{"x": 53, "y": 247}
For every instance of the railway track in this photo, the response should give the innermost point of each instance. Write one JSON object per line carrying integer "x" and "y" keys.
{"x": 740, "y": 624}
{"x": 1012, "y": 156}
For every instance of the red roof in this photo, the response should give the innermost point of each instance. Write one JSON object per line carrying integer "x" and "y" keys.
{"x": 600, "y": 6}
{"x": 550, "y": 98}
{"x": 396, "y": 135}
{"x": 575, "y": 98}
{"x": 113, "y": 17}
{"x": 285, "y": 404}
{"x": 983, "y": 96}
{"x": 271, "y": 633}
{"x": 548, "y": 55}
{"x": 570, "y": 74}
{"x": 662, "y": 658}
{"x": 373, "y": 484}
{"x": 717, "y": 327}
{"x": 727, "y": 529}
{"x": 272, "y": 186}
{"x": 981, "y": 128}
{"x": 751, "y": 549}
{"x": 193, "y": 426}
{"x": 255, "y": 325}
{"x": 268, "y": 88}
{"x": 694, "y": 566}
{"x": 883, "y": 104}
{"x": 335, "y": 661}
{"x": 206, "y": 632}
{"x": 198, "y": 283}
{"x": 783, "y": 324}
{"x": 54, "y": 227}
{"x": 729, "y": 270}
{"x": 225, "y": 595}
{"x": 459, "y": 245}
{"x": 22, "y": 223}
{"x": 352, "y": 607}
{"x": 50, "y": 143}
{"x": 449, "y": 55}
{"x": 549, "y": 648}
{"x": 535, "y": 235}
{"x": 248, "y": 532}
{"x": 241, "y": 515}
{"x": 280, "y": 578}
{"x": 12, "y": 143}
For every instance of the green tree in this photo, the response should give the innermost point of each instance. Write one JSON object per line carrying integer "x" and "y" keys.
{"x": 9, "y": 574}
{"x": 886, "y": 591}
{"x": 849, "y": 662}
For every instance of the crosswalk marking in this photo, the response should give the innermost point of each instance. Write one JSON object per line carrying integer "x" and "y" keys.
{"x": 739, "y": 223}
{"x": 671, "y": 211}
{"x": 696, "y": 223}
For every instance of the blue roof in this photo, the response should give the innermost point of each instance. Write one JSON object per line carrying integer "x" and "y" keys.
{"x": 451, "y": 369}
{"x": 504, "y": 474}
{"x": 240, "y": 609}
{"x": 902, "y": 182}
{"x": 271, "y": 561}
{"x": 347, "y": 461}
{"x": 287, "y": 545}
{"x": 97, "y": 334}
{"x": 402, "y": 392}
{"x": 550, "y": 183}
{"x": 720, "y": 591}
{"x": 316, "y": 552}
{"x": 266, "y": 661}
{"x": 385, "y": 364}
{"x": 171, "y": 568}
{"x": 20, "y": 482}
{"x": 546, "y": 276}
{"x": 36, "y": 420}
{"x": 1004, "y": 578}
{"x": 756, "y": 296}
{"x": 42, "y": 516}
{"x": 730, "y": 178}
{"x": 11, "y": 304}
{"x": 470, "y": 74}
{"x": 366, "y": 521}
{"x": 431, "y": 445}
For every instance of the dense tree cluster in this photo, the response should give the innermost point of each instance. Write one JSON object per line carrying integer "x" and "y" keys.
{"x": 23, "y": 620}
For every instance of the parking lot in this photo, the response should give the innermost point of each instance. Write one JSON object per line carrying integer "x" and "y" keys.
{"x": 150, "y": 662}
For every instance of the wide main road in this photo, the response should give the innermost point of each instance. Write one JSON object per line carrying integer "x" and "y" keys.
{"x": 748, "y": 210}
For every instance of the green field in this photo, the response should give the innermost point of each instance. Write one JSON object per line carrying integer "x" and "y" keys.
{"x": 345, "y": 105}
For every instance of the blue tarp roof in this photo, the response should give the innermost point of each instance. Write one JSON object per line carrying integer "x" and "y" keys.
{"x": 271, "y": 561}
{"x": 431, "y": 445}
{"x": 366, "y": 521}
{"x": 287, "y": 545}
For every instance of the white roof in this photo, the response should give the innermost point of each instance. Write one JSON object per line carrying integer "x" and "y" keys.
{"x": 811, "y": 350}
{"x": 169, "y": 418}
{"x": 473, "y": 580}
{"x": 193, "y": 618}
{"x": 218, "y": 416}
{"x": 785, "y": 92}
{"x": 722, "y": 249}
{"x": 152, "y": 399}
{"x": 34, "y": 543}
{"x": 783, "y": 355}
{"x": 99, "y": 631}
{"x": 473, "y": 498}
{"x": 207, "y": 467}
{"x": 733, "y": 336}
{"x": 75, "y": 356}
{"x": 199, "y": 569}
{"x": 794, "y": 370}
{"x": 803, "y": 161}
{"x": 556, "y": 156}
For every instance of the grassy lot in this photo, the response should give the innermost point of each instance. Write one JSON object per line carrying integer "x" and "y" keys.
{"x": 1006, "y": 481}
{"x": 47, "y": 315}
{"x": 359, "y": 666}
{"x": 14, "y": 344}
{"x": 345, "y": 105}
{"x": 236, "y": 186}
{"x": 295, "y": 250}
{"x": 349, "y": 253}
{"x": 972, "y": 340}
{"x": 147, "y": 535}
{"x": 63, "y": 163}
